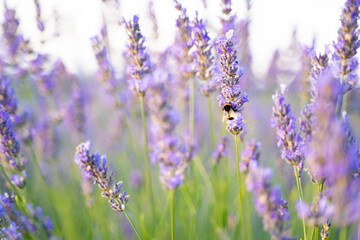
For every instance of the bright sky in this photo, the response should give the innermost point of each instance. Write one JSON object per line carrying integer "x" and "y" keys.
{"x": 271, "y": 27}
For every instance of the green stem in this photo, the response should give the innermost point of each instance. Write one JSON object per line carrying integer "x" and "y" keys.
{"x": 240, "y": 190}
{"x": 172, "y": 214}
{"x": 298, "y": 183}
{"x": 313, "y": 233}
{"x": 248, "y": 214}
{"x": 146, "y": 158}
{"x": 133, "y": 225}
{"x": 211, "y": 124}
{"x": 343, "y": 233}
{"x": 192, "y": 109}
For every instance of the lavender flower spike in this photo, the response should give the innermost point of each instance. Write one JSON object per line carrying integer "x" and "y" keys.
{"x": 9, "y": 146}
{"x": 139, "y": 59}
{"x": 95, "y": 165}
{"x": 220, "y": 150}
{"x": 348, "y": 43}
{"x": 250, "y": 154}
{"x": 203, "y": 56}
{"x": 284, "y": 121}
{"x": 268, "y": 202}
{"x": 229, "y": 79}
{"x": 12, "y": 232}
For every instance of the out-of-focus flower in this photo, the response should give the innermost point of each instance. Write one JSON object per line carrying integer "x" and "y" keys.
{"x": 202, "y": 54}
{"x": 220, "y": 150}
{"x": 140, "y": 66}
{"x": 268, "y": 201}
{"x": 250, "y": 154}
{"x": 12, "y": 232}
{"x": 284, "y": 121}
{"x": 348, "y": 43}
{"x": 317, "y": 213}
{"x": 227, "y": 18}
{"x": 171, "y": 152}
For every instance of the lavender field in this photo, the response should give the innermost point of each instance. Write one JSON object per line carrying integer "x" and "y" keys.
{"x": 177, "y": 139}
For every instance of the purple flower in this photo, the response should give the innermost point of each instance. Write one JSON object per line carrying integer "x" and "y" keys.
{"x": 7, "y": 100}
{"x": 136, "y": 178}
{"x": 220, "y": 150}
{"x": 95, "y": 166}
{"x": 235, "y": 126}
{"x": 227, "y": 18}
{"x": 268, "y": 201}
{"x": 229, "y": 80}
{"x": 106, "y": 73}
{"x": 348, "y": 42}
{"x": 75, "y": 111}
{"x": 306, "y": 123}
{"x": 323, "y": 145}
{"x": 8, "y": 144}
{"x": 250, "y": 154}
{"x": 12, "y": 232}
{"x": 139, "y": 67}
{"x": 332, "y": 154}
{"x": 10, "y": 26}
{"x": 167, "y": 149}
{"x": 17, "y": 180}
{"x": 317, "y": 213}
{"x": 284, "y": 121}
{"x": 325, "y": 232}
{"x": 202, "y": 54}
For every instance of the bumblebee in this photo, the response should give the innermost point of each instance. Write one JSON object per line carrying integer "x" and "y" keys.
{"x": 229, "y": 111}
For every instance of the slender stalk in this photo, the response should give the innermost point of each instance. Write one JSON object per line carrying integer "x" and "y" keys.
{"x": 240, "y": 190}
{"x": 298, "y": 183}
{"x": 133, "y": 225}
{"x": 316, "y": 228}
{"x": 146, "y": 158}
{"x": 343, "y": 233}
{"x": 192, "y": 109}
{"x": 172, "y": 214}
{"x": 248, "y": 215}
{"x": 211, "y": 124}
{"x": 313, "y": 233}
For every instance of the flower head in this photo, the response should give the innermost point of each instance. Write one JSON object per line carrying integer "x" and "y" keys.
{"x": 250, "y": 154}
{"x": 202, "y": 54}
{"x": 139, "y": 66}
{"x": 220, "y": 150}
{"x": 95, "y": 166}
{"x": 348, "y": 42}
{"x": 284, "y": 121}
{"x": 268, "y": 201}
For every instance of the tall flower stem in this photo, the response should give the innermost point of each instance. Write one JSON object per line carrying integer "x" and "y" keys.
{"x": 211, "y": 123}
{"x": 133, "y": 225}
{"x": 248, "y": 215}
{"x": 315, "y": 233}
{"x": 172, "y": 214}
{"x": 343, "y": 233}
{"x": 298, "y": 183}
{"x": 146, "y": 158}
{"x": 240, "y": 186}
{"x": 192, "y": 109}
